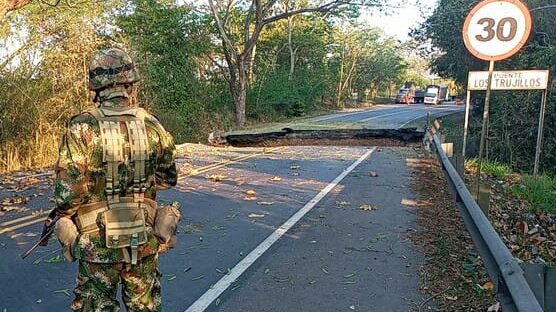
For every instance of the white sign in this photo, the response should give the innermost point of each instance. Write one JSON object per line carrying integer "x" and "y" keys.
{"x": 497, "y": 29}
{"x": 509, "y": 80}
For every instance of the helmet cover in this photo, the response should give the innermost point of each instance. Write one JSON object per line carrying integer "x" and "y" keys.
{"x": 110, "y": 67}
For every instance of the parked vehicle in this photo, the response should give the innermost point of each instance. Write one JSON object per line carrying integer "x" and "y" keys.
{"x": 436, "y": 94}
{"x": 405, "y": 96}
{"x": 419, "y": 96}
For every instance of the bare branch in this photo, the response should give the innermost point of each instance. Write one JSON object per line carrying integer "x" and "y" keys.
{"x": 11, "y": 5}
{"x": 248, "y": 21}
{"x": 323, "y": 8}
{"x": 226, "y": 40}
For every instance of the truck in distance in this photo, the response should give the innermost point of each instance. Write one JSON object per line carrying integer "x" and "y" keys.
{"x": 436, "y": 94}
{"x": 405, "y": 96}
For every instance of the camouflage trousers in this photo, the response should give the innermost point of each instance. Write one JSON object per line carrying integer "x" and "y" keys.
{"x": 97, "y": 286}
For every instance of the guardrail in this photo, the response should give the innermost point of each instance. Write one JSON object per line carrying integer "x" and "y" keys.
{"x": 512, "y": 288}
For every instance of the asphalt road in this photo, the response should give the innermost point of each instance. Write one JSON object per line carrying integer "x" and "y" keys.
{"x": 389, "y": 116}
{"x": 346, "y": 251}
{"x": 282, "y": 229}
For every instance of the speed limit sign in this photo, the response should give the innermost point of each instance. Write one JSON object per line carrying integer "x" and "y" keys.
{"x": 497, "y": 29}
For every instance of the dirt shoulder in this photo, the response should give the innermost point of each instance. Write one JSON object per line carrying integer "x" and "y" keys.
{"x": 453, "y": 275}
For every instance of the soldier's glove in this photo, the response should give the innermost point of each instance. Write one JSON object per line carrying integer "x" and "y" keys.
{"x": 67, "y": 233}
{"x": 166, "y": 225}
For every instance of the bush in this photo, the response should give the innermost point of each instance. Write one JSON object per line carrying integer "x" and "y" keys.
{"x": 492, "y": 168}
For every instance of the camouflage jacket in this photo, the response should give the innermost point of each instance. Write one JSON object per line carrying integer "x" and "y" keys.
{"x": 80, "y": 178}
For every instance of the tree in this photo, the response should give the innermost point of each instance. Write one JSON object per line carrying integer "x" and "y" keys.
{"x": 514, "y": 115}
{"x": 238, "y": 50}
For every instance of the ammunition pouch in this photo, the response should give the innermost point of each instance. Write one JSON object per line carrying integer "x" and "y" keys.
{"x": 124, "y": 226}
{"x": 67, "y": 233}
{"x": 124, "y": 223}
{"x": 166, "y": 224}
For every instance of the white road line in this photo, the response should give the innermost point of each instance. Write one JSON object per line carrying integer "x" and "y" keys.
{"x": 379, "y": 108}
{"x": 217, "y": 289}
{"x": 385, "y": 115}
{"x": 419, "y": 117}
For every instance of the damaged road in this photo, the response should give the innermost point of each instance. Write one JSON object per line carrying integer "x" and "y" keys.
{"x": 289, "y": 136}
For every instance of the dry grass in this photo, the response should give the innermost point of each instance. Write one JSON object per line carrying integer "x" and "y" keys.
{"x": 19, "y": 155}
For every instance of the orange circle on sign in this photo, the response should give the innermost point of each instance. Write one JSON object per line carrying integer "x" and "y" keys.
{"x": 528, "y": 26}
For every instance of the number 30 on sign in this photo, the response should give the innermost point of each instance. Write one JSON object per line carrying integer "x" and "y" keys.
{"x": 497, "y": 29}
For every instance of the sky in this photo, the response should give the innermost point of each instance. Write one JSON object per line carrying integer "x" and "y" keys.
{"x": 398, "y": 22}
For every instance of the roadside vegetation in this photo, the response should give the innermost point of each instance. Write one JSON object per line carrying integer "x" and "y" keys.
{"x": 522, "y": 208}
{"x": 197, "y": 77}
{"x": 513, "y": 115}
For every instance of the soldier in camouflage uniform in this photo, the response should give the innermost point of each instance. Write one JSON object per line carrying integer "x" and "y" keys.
{"x": 113, "y": 158}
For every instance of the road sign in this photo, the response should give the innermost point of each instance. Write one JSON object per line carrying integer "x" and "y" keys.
{"x": 497, "y": 29}
{"x": 509, "y": 80}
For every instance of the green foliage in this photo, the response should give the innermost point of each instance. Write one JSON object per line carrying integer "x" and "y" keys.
{"x": 540, "y": 192}
{"x": 492, "y": 168}
{"x": 513, "y": 115}
{"x": 43, "y": 80}
{"x": 298, "y": 65}
{"x": 170, "y": 43}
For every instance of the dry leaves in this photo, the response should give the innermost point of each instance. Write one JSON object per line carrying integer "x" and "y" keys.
{"x": 217, "y": 177}
{"x": 264, "y": 203}
{"x": 367, "y": 207}
{"x": 250, "y": 195}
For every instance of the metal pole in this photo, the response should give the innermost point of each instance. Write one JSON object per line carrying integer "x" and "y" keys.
{"x": 466, "y": 123}
{"x": 485, "y": 124}
{"x": 539, "y": 135}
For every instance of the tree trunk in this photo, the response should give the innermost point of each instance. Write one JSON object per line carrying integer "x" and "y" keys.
{"x": 251, "y": 65}
{"x": 241, "y": 92}
{"x": 340, "y": 83}
{"x": 290, "y": 47}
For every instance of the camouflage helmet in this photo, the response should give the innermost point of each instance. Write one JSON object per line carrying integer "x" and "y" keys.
{"x": 111, "y": 67}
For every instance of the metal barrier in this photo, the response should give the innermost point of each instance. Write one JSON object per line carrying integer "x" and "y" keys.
{"x": 512, "y": 288}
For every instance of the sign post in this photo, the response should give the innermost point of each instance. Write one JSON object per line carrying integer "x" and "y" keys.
{"x": 495, "y": 30}
{"x": 539, "y": 135}
{"x": 511, "y": 80}
{"x": 466, "y": 123}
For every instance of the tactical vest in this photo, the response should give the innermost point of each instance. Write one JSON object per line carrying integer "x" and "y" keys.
{"x": 123, "y": 217}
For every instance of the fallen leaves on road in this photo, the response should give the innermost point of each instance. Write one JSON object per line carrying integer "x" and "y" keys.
{"x": 265, "y": 203}
{"x": 198, "y": 278}
{"x": 63, "y": 291}
{"x": 250, "y": 195}
{"x": 217, "y": 177}
{"x": 367, "y": 207}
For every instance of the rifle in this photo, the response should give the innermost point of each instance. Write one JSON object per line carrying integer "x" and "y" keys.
{"x": 47, "y": 230}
